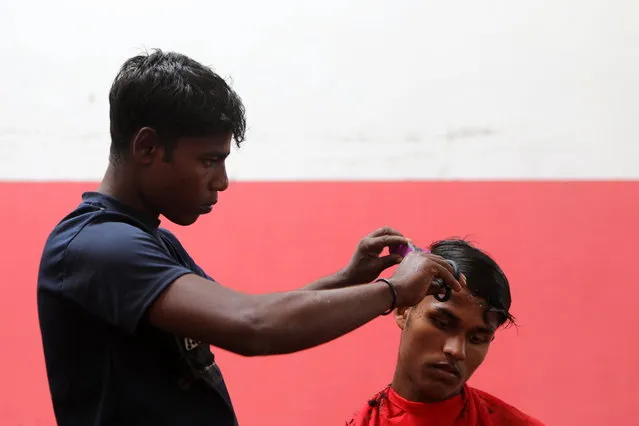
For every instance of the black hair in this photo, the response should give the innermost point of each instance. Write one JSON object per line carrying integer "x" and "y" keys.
{"x": 175, "y": 95}
{"x": 485, "y": 279}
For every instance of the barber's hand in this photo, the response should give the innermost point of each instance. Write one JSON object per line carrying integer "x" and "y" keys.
{"x": 366, "y": 264}
{"x": 415, "y": 274}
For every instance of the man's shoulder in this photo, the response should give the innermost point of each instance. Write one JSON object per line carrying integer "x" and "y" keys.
{"x": 94, "y": 234}
{"x": 92, "y": 217}
{"x": 508, "y": 414}
{"x": 96, "y": 231}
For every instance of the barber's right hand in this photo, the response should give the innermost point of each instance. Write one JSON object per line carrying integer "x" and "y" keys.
{"x": 415, "y": 274}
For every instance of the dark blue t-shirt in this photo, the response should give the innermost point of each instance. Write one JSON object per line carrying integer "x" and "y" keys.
{"x": 102, "y": 267}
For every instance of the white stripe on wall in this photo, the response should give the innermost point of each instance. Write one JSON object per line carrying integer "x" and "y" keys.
{"x": 343, "y": 89}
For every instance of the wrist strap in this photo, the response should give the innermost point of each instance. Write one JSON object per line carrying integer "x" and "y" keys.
{"x": 394, "y": 294}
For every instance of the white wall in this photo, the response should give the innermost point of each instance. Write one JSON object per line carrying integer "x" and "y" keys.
{"x": 343, "y": 89}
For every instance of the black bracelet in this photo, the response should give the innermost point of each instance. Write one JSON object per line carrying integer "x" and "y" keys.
{"x": 394, "y": 293}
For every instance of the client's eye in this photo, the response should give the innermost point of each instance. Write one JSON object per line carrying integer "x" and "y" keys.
{"x": 479, "y": 339}
{"x": 440, "y": 322}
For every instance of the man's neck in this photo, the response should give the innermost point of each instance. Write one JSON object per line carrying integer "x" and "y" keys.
{"x": 118, "y": 184}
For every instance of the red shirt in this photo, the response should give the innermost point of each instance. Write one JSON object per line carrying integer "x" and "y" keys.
{"x": 471, "y": 407}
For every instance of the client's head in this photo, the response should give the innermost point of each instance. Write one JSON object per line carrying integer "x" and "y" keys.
{"x": 443, "y": 343}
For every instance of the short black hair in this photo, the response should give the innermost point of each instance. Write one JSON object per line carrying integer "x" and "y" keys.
{"x": 175, "y": 95}
{"x": 485, "y": 279}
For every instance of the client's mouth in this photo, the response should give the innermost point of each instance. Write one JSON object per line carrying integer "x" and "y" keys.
{"x": 445, "y": 370}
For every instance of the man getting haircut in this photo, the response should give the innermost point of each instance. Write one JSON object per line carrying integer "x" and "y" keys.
{"x": 442, "y": 344}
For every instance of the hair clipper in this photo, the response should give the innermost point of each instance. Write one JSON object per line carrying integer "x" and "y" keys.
{"x": 445, "y": 291}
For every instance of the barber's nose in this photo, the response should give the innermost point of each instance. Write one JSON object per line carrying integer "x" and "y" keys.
{"x": 223, "y": 183}
{"x": 455, "y": 347}
{"x": 220, "y": 182}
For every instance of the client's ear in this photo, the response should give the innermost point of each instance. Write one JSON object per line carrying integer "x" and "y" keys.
{"x": 401, "y": 316}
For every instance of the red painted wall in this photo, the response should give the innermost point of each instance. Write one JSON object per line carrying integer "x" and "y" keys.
{"x": 568, "y": 249}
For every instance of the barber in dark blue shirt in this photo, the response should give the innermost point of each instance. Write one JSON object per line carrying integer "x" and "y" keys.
{"x": 127, "y": 317}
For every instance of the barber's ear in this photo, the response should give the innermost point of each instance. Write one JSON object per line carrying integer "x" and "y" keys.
{"x": 401, "y": 316}
{"x": 145, "y": 146}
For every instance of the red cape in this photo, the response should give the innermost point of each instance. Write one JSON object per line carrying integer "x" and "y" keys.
{"x": 470, "y": 408}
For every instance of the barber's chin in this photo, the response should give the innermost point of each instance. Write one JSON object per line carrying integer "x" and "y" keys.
{"x": 205, "y": 209}
{"x": 184, "y": 219}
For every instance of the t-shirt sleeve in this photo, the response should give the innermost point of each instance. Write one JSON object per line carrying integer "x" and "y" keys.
{"x": 167, "y": 234}
{"x": 116, "y": 270}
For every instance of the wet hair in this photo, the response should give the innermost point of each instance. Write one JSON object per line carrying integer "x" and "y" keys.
{"x": 485, "y": 279}
{"x": 175, "y": 95}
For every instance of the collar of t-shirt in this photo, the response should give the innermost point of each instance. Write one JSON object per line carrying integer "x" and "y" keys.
{"x": 438, "y": 413}
{"x": 110, "y": 203}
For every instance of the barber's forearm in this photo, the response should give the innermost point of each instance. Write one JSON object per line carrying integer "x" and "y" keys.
{"x": 333, "y": 281}
{"x": 293, "y": 321}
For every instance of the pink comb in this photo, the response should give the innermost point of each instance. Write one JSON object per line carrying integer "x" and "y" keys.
{"x": 404, "y": 249}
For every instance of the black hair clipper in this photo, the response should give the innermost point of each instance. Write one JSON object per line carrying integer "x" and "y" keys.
{"x": 444, "y": 291}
